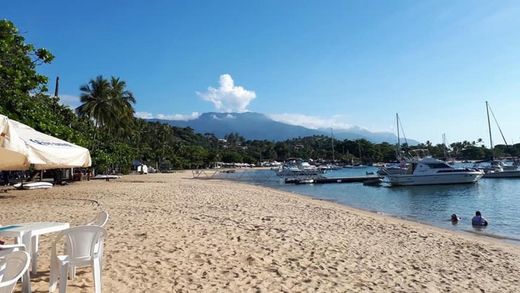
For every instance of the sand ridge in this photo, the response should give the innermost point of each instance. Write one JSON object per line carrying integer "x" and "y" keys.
{"x": 172, "y": 233}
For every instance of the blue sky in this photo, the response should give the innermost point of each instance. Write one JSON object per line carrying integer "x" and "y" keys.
{"x": 315, "y": 63}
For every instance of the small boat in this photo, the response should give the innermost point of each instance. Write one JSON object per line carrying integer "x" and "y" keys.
{"x": 106, "y": 177}
{"x": 298, "y": 168}
{"x": 497, "y": 169}
{"x": 373, "y": 182}
{"x": 305, "y": 181}
{"x": 329, "y": 167}
{"x": 430, "y": 171}
{"x": 503, "y": 174}
{"x": 33, "y": 185}
{"x": 301, "y": 180}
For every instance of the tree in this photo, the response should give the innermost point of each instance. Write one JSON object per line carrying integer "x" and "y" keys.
{"x": 22, "y": 89}
{"x": 107, "y": 103}
{"x": 124, "y": 100}
{"x": 18, "y": 61}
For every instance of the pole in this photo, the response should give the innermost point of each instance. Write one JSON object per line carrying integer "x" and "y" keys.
{"x": 57, "y": 87}
{"x": 332, "y": 142}
{"x": 489, "y": 128}
{"x": 398, "y": 151}
{"x": 445, "y": 146}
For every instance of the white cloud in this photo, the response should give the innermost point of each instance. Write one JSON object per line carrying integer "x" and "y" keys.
{"x": 313, "y": 122}
{"x": 181, "y": 117}
{"x": 144, "y": 115}
{"x": 228, "y": 97}
{"x": 228, "y": 116}
{"x": 71, "y": 101}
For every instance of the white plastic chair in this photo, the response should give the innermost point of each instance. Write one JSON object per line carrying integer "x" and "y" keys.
{"x": 100, "y": 220}
{"x": 83, "y": 249}
{"x": 6, "y": 249}
{"x": 12, "y": 267}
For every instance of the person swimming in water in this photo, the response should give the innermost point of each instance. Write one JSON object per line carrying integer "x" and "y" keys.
{"x": 454, "y": 219}
{"x": 478, "y": 220}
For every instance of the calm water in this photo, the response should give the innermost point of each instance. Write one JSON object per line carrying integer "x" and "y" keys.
{"x": 497, "y": 199}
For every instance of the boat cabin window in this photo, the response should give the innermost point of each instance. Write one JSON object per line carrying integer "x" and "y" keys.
{"x": 437, "y": 165}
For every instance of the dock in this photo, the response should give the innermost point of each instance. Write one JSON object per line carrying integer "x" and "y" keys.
{"x": 369, "y": 179}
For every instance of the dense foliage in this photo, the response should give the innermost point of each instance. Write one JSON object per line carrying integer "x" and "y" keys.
{"x": 105, "y": 124}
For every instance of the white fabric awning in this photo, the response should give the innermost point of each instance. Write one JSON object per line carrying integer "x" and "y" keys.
{"x": 22, "y": 146}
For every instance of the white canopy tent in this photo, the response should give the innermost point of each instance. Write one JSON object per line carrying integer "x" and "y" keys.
{"x": 22, "y": 146}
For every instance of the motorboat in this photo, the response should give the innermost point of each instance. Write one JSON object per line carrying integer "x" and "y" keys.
{"x": 329, "y": 167}
{"x": 298, "y": 168}
{"x": 498, "y": 169}
{"x": 502, "y": 174}
{"x": 393, "y": 169}
{"x": 430, "y": 171}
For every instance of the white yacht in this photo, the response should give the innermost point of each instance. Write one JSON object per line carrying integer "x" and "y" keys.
{"x": 498, "y": 169}
{"x": 298, "y": 168}
{"x": 393, "y": 169}
{"x": 430, "y": 171}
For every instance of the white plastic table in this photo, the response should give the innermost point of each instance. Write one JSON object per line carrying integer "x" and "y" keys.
{"x": 27, "y": 234}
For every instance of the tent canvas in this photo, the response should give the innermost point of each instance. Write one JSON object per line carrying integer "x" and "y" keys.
{"x": 22, "y": 146}
{"x": 13, "y": 152}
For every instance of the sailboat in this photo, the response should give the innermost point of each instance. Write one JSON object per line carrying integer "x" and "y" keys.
{"x": 332, "y": 165}
{"x": 449, "y": 160}
{"x": 498, "y": 169}
{"x": 401, "y": 167}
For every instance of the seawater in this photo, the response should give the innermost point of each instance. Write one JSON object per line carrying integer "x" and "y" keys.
{"x": 497, "y": 199}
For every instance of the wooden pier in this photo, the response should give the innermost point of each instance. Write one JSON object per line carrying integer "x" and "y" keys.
{"x": 369, "y": 179}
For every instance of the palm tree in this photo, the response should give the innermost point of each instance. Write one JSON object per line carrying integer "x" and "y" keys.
{"x": 124, "y": 97}
{"x": 96, "y": 102}
{"x": 124, "y": 101}
{"x": 107, "y": 103}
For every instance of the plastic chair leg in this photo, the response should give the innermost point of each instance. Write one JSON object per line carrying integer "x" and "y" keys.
{"x": 26, "y": 281}
{"x": 53, "y": 280}
{"x": 72, "y": 272}
{"x": 34, "y": 254}
{"x": 63, "y": 278}
{"x": 96, "y": 270}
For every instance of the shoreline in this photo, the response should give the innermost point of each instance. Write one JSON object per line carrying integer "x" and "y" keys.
{"x": 471, "y": 233}
{"x": 170, "y": 232}
{"x": 493, "y": 238}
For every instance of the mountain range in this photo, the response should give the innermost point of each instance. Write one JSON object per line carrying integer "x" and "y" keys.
{"x": 252, "y": 125}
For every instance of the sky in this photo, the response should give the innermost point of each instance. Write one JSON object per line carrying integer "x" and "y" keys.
{"x": 319, "y": 64}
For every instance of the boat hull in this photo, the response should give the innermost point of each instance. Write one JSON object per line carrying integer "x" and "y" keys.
{"x": 434, "y": 179}
{"x": 33, "y": 185}
{"x": 503, "y": 174}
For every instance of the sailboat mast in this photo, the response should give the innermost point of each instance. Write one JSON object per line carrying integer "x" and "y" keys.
{"x": 398, "y": 150}
{"x": 490, "y": 137}
{"x": 445, "y": 148}
{"x": 359, "y": 151}
{"x": 332, "y": 142}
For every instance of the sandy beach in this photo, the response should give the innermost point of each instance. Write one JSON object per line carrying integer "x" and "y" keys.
{"x": 169, "y": 233}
